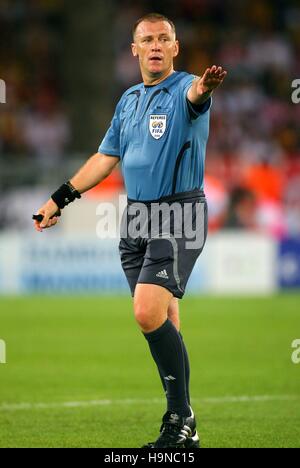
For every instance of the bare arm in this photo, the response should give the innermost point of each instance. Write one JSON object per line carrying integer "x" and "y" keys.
{"x": 202, "y": 88}
{"x": 95, "y": 170}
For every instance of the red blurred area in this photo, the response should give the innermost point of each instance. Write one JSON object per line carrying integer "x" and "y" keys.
{"x": 109, "y": 188}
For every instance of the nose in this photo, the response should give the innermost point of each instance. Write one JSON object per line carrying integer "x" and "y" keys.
{"x": 156, "y": 46}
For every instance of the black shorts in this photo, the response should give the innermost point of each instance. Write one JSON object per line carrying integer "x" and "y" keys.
{"x": 162, "y": 239}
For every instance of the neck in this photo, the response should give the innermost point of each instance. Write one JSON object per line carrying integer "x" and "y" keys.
{"x": 151, "y": 80}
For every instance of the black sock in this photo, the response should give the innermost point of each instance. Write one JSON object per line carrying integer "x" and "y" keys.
{"x": 166, "y": 348}
{"x": 187, "y": 373}
{"x": 162, "y": 381}
{"x": 187, "y": 370}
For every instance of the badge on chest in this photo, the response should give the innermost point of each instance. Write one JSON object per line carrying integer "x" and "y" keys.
{"x": 157, "y": 125}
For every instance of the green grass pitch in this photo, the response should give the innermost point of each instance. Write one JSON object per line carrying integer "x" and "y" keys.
{"x": 79, "y": 373}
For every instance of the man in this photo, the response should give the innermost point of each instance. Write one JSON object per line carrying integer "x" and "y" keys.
{"x": 159, "y": 133}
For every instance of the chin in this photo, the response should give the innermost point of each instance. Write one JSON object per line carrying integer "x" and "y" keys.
{"x": 155, "y": 71}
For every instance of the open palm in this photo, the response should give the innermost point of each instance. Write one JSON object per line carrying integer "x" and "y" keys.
{"x": 211, "y": 79}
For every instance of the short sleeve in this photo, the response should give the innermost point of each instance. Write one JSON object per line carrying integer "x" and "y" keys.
{"x": 197, "y": 110}
{"x": 110, "y": 144}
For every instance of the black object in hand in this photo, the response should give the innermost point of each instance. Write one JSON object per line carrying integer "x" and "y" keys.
{"x": 38, "y": 217}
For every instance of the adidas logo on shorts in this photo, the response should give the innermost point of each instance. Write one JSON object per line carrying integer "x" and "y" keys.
{"x": 163, "y": 274}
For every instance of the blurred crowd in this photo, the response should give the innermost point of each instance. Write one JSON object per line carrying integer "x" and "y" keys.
{"x": 33, "y": 122}
{"x": 253, "y": 156}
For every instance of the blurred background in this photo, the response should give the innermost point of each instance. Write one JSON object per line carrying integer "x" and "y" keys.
{"x": 65, "y": 65}
{"x": 77, "y": 366}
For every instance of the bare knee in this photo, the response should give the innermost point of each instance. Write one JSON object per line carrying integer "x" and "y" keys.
{"x": 173, "y": 313}
{"x": 147, "y": 317}
{"x": 142, "y": 314}
{"x": 151, "y": 304}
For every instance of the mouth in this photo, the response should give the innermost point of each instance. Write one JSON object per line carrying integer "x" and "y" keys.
{"x": 155, "y": 59}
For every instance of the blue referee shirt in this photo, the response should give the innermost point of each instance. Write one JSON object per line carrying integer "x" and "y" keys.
{"x": 160, "y": 137}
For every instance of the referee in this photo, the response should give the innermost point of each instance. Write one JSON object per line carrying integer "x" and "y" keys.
{"x": 159, "y": 133}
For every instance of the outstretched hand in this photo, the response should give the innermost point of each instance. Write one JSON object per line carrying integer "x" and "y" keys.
{"x": 211, "y": 79}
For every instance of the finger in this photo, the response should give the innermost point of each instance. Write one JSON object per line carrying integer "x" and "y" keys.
{"x": 218, "y": 78}
{"x": 45, "y": 222}
{"x": 218, "y": 71}
{"x": 223, "y": 74}
{"x": 49, "y": 224}
{"x": 215, "y": 72}
{"x": 37, "y": 226}
{"x": 53, "y": 221}
{"x": 206, "y": 73}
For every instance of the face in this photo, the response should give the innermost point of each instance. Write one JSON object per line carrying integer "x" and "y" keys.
{"x": 156, "y": 46}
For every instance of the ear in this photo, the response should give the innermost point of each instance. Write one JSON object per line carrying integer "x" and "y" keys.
{"x": 176, "y": 49}
{"x": 134, "y": 49}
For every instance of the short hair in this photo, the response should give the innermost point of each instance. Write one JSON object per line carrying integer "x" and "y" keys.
{"x": 153, "y": 18}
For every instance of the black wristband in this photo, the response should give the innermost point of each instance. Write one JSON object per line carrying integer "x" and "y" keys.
{"x": 65, "y": 194}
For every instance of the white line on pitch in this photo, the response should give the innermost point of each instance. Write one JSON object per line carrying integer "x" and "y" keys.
{"x": 91, "y": 403}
